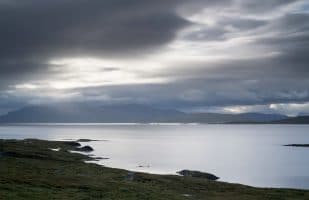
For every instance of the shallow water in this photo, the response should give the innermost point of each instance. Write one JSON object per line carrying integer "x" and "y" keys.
{"x": 246, "y": 154}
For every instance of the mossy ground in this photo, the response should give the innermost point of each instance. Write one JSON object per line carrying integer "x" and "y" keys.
{"x": 30, "y": 170}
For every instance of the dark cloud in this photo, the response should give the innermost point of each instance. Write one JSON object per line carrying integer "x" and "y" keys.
{"x": 33, "y": 31}
{"x": 192, "y": 93}
{"x": 17, "y": 71}
{"x": 35, "y": 28}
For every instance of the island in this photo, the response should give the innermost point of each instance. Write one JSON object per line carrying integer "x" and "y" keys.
{"x": 296, "y": 145}
{"x": 38, "y": 169}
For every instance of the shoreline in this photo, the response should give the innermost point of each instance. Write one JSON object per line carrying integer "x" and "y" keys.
{"x": 140, "y": 124}
{"x": 33, "y": 169}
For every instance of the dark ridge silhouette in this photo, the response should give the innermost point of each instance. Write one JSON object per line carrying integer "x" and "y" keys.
{"x": 294, "y": 120}
{"x": 129, "y": 113}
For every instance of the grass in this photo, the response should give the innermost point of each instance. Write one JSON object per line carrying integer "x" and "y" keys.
{"x": 29, "y": 169}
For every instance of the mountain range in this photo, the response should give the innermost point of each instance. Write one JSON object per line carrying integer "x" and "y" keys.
{"x": 132, "y": 113}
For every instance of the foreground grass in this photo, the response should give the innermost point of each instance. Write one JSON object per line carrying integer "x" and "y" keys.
{"x": 29, "y": 169}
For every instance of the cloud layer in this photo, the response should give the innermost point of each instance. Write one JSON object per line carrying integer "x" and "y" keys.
{"x": 190, "y": 55}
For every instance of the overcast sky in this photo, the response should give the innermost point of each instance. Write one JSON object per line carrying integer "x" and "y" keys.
{"x": 198, "y": 55}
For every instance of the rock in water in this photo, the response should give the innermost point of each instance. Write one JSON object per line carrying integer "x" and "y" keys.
{"x": 85, "y": 149}
{"x": 198, "y": 174}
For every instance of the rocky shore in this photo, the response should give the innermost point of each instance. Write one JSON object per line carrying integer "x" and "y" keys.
{"x": 37, "y": 169}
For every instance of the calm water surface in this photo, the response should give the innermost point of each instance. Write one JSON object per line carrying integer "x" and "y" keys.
{"x": 247, "y": 154}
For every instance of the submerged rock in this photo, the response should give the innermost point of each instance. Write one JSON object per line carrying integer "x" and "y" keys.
{"x": 143, "y": 166}
{"x": 198, "y": 174}
{"x": 86, "y": 140}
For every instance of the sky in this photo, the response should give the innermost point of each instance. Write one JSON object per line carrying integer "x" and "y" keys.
{"x": 227, "y": 56}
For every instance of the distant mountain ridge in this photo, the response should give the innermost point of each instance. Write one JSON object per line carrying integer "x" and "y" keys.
{"x": 84, "y": 113}
{"x": 294, "y": 120}
{"x": 131, "y": 113}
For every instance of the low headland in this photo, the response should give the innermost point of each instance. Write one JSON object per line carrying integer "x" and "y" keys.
{"x": 297, "y": 145}
{"x": 38, "y": 169}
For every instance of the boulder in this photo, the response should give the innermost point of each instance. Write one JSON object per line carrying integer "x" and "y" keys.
{"x": 85, "y": 149}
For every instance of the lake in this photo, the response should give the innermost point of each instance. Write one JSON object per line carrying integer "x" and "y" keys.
{"x": 246, "y": 154}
